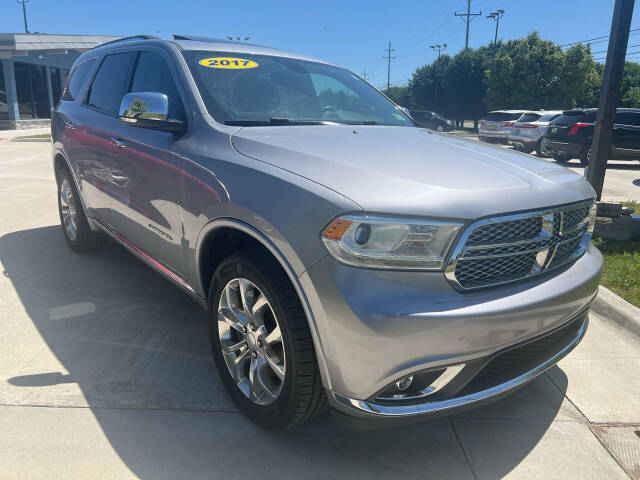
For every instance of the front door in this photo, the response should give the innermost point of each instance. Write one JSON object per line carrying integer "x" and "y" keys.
{"x": 146, "y": 171}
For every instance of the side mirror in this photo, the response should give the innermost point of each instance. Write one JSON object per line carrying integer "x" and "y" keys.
{"x": 148, "y": 110}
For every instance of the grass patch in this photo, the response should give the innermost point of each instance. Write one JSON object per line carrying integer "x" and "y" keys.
{"x": 39, "y": 135}
{"x": 621, "y": 272}
{"x": 632, "y": 203}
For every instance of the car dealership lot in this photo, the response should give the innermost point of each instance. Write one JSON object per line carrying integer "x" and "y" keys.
{"x": 105, "y": 370}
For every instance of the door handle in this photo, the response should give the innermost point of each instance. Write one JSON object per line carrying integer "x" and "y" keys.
{"x": 118, "y": 143}
{"x": 69, "y": 125}
{"x": 118, "y": 178}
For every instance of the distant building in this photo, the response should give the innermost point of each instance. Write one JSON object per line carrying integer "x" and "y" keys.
{"x": 33, "y": 70}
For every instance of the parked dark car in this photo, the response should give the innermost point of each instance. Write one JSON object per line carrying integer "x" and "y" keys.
{"x": 570, "y": 135}
{"x": 432, "y": 120}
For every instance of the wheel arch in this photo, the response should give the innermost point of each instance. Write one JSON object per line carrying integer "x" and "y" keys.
{"x": 233, "y": 235}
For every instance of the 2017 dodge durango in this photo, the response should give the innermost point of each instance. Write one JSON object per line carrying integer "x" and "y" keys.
{"x": 346, "y": 258}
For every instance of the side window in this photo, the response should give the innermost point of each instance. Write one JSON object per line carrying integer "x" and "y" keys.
{"x": 627, "y": 118}
{"x": 78, "y": 76}
{"x": 152, "y": 74}
{"x": 107, "y": 88}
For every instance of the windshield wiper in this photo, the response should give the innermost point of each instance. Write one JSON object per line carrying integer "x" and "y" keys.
{"x": 276, "y": 121}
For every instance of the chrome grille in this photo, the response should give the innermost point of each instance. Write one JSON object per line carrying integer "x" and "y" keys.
{"x": 500, "y": 250}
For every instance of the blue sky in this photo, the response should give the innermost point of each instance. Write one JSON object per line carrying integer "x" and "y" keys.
{"x": 353, "y": 33}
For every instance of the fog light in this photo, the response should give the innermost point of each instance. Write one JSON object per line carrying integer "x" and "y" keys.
{"x": 404, "y": 383}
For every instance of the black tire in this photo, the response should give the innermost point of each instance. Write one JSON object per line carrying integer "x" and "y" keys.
{"x": 585, "y": 155}
{"x": 561, "y": 157}
{"x": 302, "y": 395}
{"x": 84, "y": 239}
{"x": 539, "y": 151}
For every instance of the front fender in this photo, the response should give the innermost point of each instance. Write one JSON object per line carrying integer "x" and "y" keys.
{"x": 277, "y": 247}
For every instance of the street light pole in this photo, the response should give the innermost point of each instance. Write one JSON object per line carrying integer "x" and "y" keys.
{"x": 496, "y": 16}
{"x": 24, "y": 14}
{"x": 438, "y": 48}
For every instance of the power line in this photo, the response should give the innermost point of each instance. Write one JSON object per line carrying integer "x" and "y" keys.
{"x": 388, "y": 57}
{"x": 592, "y": 39}
{"x": 630, "y": 53}
{"x": 605, "y": 51}
{"x": 470, "y": 16}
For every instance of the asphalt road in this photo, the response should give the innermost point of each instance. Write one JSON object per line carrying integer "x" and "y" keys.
{"x": 105, "y": 372}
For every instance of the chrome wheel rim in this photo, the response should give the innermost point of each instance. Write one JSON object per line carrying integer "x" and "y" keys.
{"x": 251, "y": 341}
{"x": 68, "y": 210}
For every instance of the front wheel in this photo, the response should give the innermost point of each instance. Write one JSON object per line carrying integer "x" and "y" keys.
{"x": 440, "y": 128}
{"x": 261, "y": 342}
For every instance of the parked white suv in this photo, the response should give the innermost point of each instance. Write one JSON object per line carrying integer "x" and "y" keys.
{"x": 497, "y": 125}
{"x": 527, "y": 132}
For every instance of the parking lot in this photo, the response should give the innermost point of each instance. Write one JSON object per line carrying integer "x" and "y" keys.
{"x": 622, "y": 181}
{"x": 106, "y": 371}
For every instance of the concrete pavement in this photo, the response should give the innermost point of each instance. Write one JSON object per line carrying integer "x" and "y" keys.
{"x": 105, "y": 372}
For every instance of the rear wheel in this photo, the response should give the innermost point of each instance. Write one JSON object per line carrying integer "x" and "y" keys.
{"x": 75, "y": 226}
{"x": 261, "y": 342}
{"x": 540, "y": 151}
{"x": 561, "y": 157}
{"x": 585, "y": 155}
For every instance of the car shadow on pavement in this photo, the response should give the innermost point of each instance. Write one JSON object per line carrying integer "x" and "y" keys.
{"x": 137, "y": 349}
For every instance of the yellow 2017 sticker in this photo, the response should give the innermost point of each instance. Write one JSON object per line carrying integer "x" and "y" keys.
{"x": 227, "y": 62}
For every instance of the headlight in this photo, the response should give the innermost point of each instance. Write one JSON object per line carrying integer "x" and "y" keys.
{"x": 378, "y": 242}
{"x": 592, "y": 217}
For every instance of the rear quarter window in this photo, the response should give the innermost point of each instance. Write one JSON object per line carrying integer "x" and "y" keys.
{"x": 529, "y": 117}
{"x": 502, "y": 116}
{"x": 76, "y": 80}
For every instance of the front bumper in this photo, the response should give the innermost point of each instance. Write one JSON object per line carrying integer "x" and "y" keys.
{"x": 378, "y": 326}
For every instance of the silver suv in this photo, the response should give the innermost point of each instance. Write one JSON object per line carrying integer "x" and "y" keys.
{"x": 345, "y": 257}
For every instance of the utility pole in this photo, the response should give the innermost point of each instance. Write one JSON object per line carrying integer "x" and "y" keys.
{"x": 24, "y": 14}
{"x": 497, "y": 15}
{"x": 469, "y": 17}
{"x": 438, "y": 48}
{"x": 609, "y": 92}
{"x": 388, "y": 57}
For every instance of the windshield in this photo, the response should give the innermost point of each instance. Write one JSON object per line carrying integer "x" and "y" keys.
{"x": 255, "y": 90}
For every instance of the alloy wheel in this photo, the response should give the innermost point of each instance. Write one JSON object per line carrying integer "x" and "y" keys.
{"x": 68, "y": 209}
{"x": 251, "y": 341}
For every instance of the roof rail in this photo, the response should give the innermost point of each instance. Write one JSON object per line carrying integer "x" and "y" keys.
{"x": 128, "y": 39}
{"x": 198, "y": 38}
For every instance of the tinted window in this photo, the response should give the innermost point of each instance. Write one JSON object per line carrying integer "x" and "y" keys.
{"x": 421, "y": 116}
{"x": 76, "y": 80}
{"x": 628, "y": 118}
{"x": 152, "y": 74}
{"x": 107, "y": 88}
{"x": 577, "y": 117}
{"x": 502, "y": 116}
{"x": 529, "y": 117}
{"x": 548, "y": 118}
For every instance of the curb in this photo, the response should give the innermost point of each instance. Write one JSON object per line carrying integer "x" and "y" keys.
{"x": 613, "y": 307}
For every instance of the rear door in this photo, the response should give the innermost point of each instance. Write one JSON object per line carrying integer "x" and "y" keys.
{"x": 626, "y": 136}
{"x": 146, "y": 169}
{"x": 96, "y": 119}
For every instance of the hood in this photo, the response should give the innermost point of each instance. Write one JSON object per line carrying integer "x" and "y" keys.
{"x": 413, "y": 171}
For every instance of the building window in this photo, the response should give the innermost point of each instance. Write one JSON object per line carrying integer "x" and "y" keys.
{"x": 31, "y": 83}
{"x": 4, "y": 108}
{"x": 56, "y": 86}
